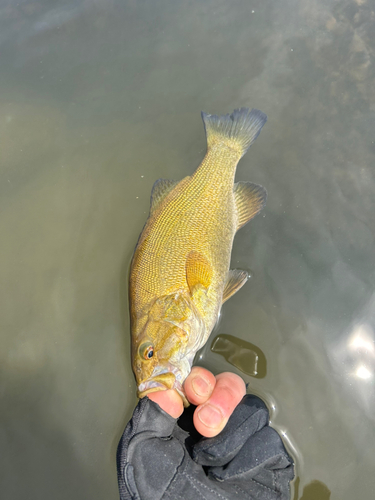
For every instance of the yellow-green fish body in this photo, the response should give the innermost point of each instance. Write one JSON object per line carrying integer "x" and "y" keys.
{"x": 180, "y": 274}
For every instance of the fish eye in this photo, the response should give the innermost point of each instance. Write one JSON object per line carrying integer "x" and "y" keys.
{"x": 146, "y": 350}
{"x": 149, "y": 352}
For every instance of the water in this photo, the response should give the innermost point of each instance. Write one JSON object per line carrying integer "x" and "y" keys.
{"x": 244, "y": 356}
{"x": 98, "y": 100}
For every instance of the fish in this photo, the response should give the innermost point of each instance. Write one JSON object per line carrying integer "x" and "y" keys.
{"x": 179, "y": 273}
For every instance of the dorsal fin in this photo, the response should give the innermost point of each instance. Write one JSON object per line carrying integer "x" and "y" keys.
{"x": 198, "y": 271}
{"x": 250, "y": 199}
{"x": 235, "y": 280}
{"x": 160, "y": 191}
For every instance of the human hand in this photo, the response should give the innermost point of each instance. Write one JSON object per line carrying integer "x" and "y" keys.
{"x": 215, "y": 398}
{"x": 157, "y": 459}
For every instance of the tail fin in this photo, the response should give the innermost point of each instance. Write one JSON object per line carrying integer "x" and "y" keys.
{"x": 237, "y": 130}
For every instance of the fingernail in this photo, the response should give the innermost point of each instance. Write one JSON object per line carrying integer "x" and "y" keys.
{"x": 200, "y": 386}
{"x": 210, "y": 416}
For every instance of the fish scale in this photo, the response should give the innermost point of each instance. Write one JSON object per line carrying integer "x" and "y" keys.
{"x": 181, "y": 262}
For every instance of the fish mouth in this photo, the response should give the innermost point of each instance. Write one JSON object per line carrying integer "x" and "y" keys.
{"x": 162, "y": 382}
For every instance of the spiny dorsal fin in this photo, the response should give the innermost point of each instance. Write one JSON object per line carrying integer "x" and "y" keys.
{"x": 235, "y": 280}
{"x": 250, "y": 199}
{"x": 198, "y": 271}
{"x": 237, "y": 130}
{"x": 160, "y": 191}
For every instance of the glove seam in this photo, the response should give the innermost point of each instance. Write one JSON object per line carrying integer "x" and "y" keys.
{"x": 173, "y": 484}
{"x": 257, "y": 483}
{"x": 241, "y": 472}
{"x": 193, "y": 479}
{"x": 277, "y": 482}
{"x": 218, "y": 442}
{"x": 260, "y": 465}
{"x": 123, "y": 458}
{"x": 128, "y": 468}
{"x": 236, "y": 487}
{"x": 134, "y": 429}
{"x": 170, "y": 485}
{"x": 196, "y": 489}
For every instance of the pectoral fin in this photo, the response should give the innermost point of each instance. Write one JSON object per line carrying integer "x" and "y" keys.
{"x": 160, "y": 191}
{"x": 198, "y": 271}
{"x": 250, "y": 199}
{"x": 235, "y": 280}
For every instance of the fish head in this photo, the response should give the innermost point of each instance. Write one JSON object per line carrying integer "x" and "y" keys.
{"x": 158, "y": 363}
{"x": 165, "y": 349}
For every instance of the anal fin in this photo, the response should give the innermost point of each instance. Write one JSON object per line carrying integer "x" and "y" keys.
{"x": 250, "y": 199}
{"x": 235, "y": 280}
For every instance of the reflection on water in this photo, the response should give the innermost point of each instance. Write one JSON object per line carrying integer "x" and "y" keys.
{"x": 247, "y": 357}
{"x": 100, "y": 99}
{"x": 353, "y": 358}
{"x": 361, "y": 344}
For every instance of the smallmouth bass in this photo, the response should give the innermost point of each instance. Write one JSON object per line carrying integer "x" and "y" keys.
{"x": 179, "y": 275}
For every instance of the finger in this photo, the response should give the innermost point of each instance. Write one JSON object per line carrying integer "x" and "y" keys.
{"x": 199, "y": 385}
{"x": 170, "y": 401}
{"x": 211, "y": 417}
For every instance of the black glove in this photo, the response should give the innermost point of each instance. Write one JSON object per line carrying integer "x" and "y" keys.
{"x": 157, "y": 459}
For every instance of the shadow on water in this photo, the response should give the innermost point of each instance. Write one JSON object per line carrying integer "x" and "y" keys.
{"x": 247, "y": 357}
{"x": 42, "y": 450}
{"x": 316, "y": 490}
{"x": 125, "y": 323}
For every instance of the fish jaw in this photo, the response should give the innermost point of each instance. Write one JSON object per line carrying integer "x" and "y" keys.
{"x": 164, "y": 378}
{"x": 160, "y": 382}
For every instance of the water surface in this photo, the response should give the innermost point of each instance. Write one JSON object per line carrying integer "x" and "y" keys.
{"x": 98, "y": 100}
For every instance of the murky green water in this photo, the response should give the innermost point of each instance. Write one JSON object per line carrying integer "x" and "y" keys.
{"x": 98, "y": 100}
